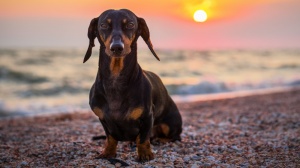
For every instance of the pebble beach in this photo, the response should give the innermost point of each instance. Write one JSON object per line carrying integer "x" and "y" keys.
{"x": 250, "y": 131}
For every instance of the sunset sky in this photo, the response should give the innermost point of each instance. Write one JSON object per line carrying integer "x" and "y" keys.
{"x": 231, "y": 24}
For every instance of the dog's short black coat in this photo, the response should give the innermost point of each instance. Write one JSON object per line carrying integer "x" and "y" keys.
{"x": 132, "y": 104}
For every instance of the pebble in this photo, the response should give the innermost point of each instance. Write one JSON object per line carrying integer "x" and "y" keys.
{"x": 168, "y": 165}
{"x": 118, "y": 164}
{"x": 190, "y": 150}
{"x": 172, "y": 158}
{"x": 206, "y": 165}
{"x": 211, "y": 158}
{"x": 196, "y": 157}
{"x": 110, "y": 166}
{"x": 253, "y": 161}
{"x": 22, "y": 150}
{"x": 226, "y": 165}
{"x": 235, "y": 148}
{"x": 23, "y": 163}
{"x": 194, "y": 166}
{"x": 186, "y": 159}
{"x": 164, "y": 160}
{"x": 221, "y": 124}
{"x": 178, "y": 160}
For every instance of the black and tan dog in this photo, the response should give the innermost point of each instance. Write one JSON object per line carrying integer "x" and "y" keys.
{"x": 132, "y": 104}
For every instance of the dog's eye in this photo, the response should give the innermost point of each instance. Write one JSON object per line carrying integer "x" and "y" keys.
{"x": 104, "y": 26}
{"x": 130, "y": 26}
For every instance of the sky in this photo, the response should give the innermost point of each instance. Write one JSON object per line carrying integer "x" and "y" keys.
{"x": 231, "y": 24}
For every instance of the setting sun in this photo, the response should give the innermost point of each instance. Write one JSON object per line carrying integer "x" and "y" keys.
{"x": 200, "y": 16}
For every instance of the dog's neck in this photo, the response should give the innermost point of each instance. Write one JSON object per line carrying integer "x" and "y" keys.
{"x": 118, "y": 73}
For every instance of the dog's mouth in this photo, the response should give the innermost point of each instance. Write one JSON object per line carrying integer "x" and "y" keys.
{"x": 117, "y": 54}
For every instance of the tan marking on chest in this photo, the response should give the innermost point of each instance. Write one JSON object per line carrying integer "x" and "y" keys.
{"x": 116, "y": 66}
{"x": 136, "y": 113}
{"x": 98, "y": 112}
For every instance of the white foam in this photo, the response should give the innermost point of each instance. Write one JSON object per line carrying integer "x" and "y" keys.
{"x": 230, "y": 95}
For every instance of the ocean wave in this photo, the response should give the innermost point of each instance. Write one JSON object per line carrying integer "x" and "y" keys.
{"x": 200, "y": 88}
{"x": 52, "y": 91}
{"x": 15, "y": 76}
{"x": 29, "y": 76}
{"x": 206, "y": 87}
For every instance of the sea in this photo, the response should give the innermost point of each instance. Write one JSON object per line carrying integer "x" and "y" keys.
{"x": 43, "y": 81}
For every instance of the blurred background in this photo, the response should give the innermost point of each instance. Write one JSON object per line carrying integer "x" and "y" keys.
{"x": 205, "y": 46}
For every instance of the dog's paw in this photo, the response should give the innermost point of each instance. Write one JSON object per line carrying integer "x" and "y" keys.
{"x": 144, "y": 150}
{"x": 144, "y": 156}
{"x": 107, "y": 155}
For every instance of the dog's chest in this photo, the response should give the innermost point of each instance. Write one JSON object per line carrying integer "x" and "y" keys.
{"x": 123, "y": 125}
{"x": 121, "y": 117}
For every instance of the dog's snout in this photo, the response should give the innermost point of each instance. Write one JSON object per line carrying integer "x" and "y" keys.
{"x": 117, "y": 46}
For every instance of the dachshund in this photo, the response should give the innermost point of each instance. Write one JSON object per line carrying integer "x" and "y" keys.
{"x": 132, "y": 104}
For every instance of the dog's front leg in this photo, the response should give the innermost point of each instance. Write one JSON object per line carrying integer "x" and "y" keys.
{"x": 110, "y": 149}
{"x": 143, "y": 140}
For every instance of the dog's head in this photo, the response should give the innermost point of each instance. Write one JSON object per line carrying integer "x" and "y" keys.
{"x": 117, "y": 30}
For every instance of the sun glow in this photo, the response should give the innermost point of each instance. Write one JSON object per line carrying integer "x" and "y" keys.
{"x": 200, "y": 16}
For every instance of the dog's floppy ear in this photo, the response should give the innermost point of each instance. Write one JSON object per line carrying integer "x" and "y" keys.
{"x": 92, "y": 34}
{"x": 144, "y": 32}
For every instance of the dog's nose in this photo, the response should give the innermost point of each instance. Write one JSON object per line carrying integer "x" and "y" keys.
{"x": 117, "y": 46}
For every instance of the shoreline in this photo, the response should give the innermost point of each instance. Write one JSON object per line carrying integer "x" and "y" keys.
{"x": 179, "y": 99}
{"x": 231, "y": 95}
{"x": 246, "y": 131}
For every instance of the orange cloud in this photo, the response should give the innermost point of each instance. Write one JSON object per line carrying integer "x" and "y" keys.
{"x": 218, "y": 10}
{"x": 177, "y": 9}
{"x": 69, "y": 8}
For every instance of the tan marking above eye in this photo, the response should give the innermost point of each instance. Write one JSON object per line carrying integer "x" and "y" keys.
{"x": 109, "y": 20}
{"x": 124, "y": 20}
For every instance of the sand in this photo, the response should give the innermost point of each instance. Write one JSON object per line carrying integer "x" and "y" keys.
{"x": 250, "y": 131}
